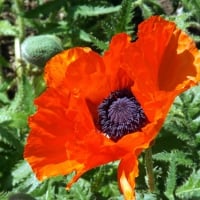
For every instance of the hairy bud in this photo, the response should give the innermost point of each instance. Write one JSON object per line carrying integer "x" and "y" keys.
{"x": 39, "y": 49}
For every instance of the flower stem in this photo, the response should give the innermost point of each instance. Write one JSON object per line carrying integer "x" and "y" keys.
{"x": 149, "y": 170}
{"x": 19, "y": 18}
{"x": 18, "y": 5}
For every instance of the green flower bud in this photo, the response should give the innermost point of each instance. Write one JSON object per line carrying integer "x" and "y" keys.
{"x": 39, "y": 49}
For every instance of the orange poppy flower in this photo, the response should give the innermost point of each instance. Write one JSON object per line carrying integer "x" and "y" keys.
{"x": 99, "y": 109}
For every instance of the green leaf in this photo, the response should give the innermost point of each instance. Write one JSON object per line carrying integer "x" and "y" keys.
{"x": 3, "y": 196}
{"x": 3, "y": 93}
{"x": 89, "y": 11}
{"x": 191, "y": 188}
{"x": 6, "y": 29}
{"x": 146, "y": 11}
{"x": 11, "y": 140}
{"x": 21, "y": 107}
{"x": 20, "y": 172}
{"x": 124, "y": 17}
{"x": 81, "y": 190}
{"x": 98, "y": 43}
{"x": 176, "y": 156}
{"x": 183, "y": 120}
{"x": 171, "y": 180}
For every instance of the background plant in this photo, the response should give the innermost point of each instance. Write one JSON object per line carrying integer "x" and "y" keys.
{"x": 91, "y": 23}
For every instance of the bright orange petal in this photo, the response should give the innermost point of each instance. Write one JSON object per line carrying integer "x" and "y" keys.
{"x": 60, "y": 141}
{"x": 166, "y": 59}
{"x": 181, "y": 52}
{"x": 127, "y": 172}
{"x": 56, "y": 68}
{"x": 45, "y": 149}
{"x": 113, "y": 62}
{"x": 64, "y": 134}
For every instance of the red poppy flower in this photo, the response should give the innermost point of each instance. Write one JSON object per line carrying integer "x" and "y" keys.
{"x": 98, "y": 109}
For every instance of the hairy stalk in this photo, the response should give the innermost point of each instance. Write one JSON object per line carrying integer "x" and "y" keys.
{"x": 19, "y": 19}
{"x": 149, "y": 170}
{"x": 21, "y": 33}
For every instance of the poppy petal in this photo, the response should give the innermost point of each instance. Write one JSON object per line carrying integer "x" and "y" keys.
{"x": 127, "y": 172}
{"x": 55, "y": 73}
{"x": 113, "y": 58}
{"x": 60, "y": 141}
{"x": 166, "y": 59}
{"x": 65, "y": 136}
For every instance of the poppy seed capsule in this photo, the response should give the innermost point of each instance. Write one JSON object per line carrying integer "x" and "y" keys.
{"x": 39, "y": 49}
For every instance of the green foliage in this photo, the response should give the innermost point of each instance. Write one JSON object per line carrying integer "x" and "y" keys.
{"x": 3, "y": 196}
{"x": 6, "y": 29}
{"x": 191, "y": 188}
{"x": 124, "y": 18}
{"x": 176, "y": 152}
{"x": 146, "y": 196}
{"x": 188, "y": 18}
{"x": 92, "y": 11}
{"x": 118, "y": 22}
{"x": 179, "y": 137}
{"x": 17, "y": 111}
{"x": 186, "y": 22}
{"x": 149, "y": 7}
{"x": 13, "y": 120}
{"x": 174, "y": 158}
{"x": 45, "y": 9}
{"x": 193, "y": 7}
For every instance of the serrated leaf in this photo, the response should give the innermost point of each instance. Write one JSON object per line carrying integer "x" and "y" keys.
{"x": 124, "y": 17}
{"x": 176, "y": 156}
{"x": 7, "y": 137}
{"x": 110, "y": 189}
{"x": 21, "y": 107}
{"x": 81, "y": 190}
{"x": 121, "y": 21}
{"x": 23, "y": 178}
{"x": 24, "y": 97}
{"x": 20, "y": 172}
{"x": 184, "y": 117}
{"x": 171, "y": 181}
{"x": 84, "y": 36}
{"x": 98, "y": 43}
{"x": 88, "y": 11}
{"x": 191, "y": 188}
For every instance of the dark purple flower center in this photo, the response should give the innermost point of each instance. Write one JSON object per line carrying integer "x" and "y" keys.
{"x": 120, "y": 114}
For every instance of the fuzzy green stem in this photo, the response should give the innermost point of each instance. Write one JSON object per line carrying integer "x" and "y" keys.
{"x": 18, "y": 5}
{"x": 19, "y": 19}
{"x": 149, "y": 170}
